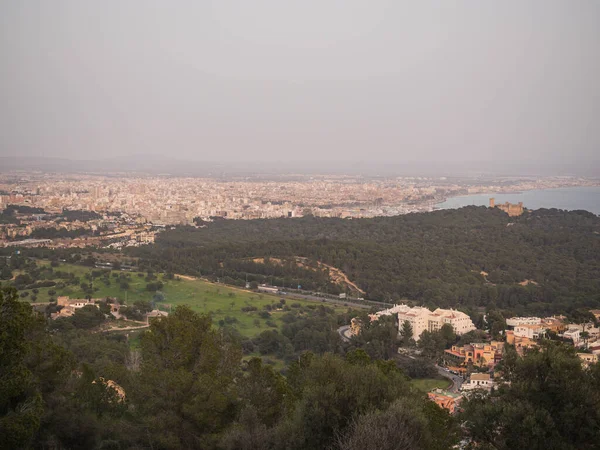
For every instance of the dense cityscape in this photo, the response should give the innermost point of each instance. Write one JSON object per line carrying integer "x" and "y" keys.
{"x": 128, "y": 210}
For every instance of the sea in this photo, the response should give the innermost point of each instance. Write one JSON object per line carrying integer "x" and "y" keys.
{"x": 586, "y": 198}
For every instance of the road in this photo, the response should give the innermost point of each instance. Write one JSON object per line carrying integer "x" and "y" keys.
{"x": 125, "y": 328}
{"x": 343, "y": 331}
{"x": 315, "y": 298}
{"x": 456, "y": 380}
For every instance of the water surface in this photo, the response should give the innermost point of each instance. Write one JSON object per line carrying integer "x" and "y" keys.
{"x": 586, "y": 198}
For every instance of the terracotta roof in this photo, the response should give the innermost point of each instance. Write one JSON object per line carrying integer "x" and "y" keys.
{"x": 480, "y": 376}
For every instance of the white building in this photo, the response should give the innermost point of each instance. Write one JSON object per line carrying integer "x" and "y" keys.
{"x": 418, "y": 317}
{"x": 422, "y": 319}
{"x": 573, "y": 334}
{"x": 529, "y": 331}
{"x": 388, "y": 312}
{"x": 461, "y": 322}
{"x": 514, "y": 321}
{"x": 479, "y": 381}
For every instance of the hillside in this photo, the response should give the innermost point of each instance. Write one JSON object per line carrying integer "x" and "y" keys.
{"x": 434, "y": 258}
{"x": 250, "y": 313}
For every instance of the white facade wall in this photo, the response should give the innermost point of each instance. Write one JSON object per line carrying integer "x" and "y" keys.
{"x": 515, "y": 321}
{"x": 461, "y": 322}
{"x": 478, "y": 384}
{"x": 422, "y": 319}
{"x": 528, "y": 331}
{"x": 573, "y": 334}
{"x": 418, "y": 319}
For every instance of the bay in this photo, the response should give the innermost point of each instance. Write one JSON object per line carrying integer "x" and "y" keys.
{"x": 572, "y": 198}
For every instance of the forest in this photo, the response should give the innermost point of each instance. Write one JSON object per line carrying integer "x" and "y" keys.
{"x": 543, "y": 262}
{"x": 187, "y": 386}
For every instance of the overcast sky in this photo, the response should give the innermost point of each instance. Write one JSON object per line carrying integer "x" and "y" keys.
{"x": 286, "y": 80}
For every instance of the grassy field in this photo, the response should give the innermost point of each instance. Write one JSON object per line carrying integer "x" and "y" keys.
{"x": 428, "y": 384}
{"x": 222, "y": 302}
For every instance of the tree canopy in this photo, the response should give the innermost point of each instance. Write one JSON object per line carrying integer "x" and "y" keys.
{"x": 545, "y": 261}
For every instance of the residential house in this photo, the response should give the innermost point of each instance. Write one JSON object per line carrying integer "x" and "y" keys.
{"x": 530, "y": 331}
{"x": 68, "y": 306}
{"x": 156, "y": 314}
{"x": 588, "y": 358}
{"x": 445, "y": 399}
{"x": 521, "y": 343}
{"x": 574, "y": 334}
{"x": 479, "y": 381}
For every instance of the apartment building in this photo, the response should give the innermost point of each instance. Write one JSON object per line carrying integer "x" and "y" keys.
{"x": 515, "y": 321}
{"x": 422, "y": 319}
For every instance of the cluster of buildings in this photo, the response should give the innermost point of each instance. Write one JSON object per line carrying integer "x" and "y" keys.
{"x": 523, "y": 331}
{"x": 423, "y": 319}
{"x": 451, "y": 400}
{"x": 69, "y": 306}
{"x": 178, "y": 200}
{"x": 105, "y": 230}
{"x": 479, "y": 354}
{"x": 479, "y": 359}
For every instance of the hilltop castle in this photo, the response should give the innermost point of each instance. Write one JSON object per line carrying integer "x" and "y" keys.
{"x": 509, "y": 208}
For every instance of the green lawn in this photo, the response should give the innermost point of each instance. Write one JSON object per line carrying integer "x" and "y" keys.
{"x": 428, "y": 384}
{"x": 204, "y": 297}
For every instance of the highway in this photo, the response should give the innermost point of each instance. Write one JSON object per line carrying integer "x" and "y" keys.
{"x": 315, "y": 298}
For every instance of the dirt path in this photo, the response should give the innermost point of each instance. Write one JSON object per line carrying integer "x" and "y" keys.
{"x": 186, "y": 277}
{"x": 336, "y": 275}
{"x": 125, "y": 328}
{"x": 341, "y": 276}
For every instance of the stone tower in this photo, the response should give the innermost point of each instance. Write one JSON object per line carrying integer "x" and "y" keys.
{"x": 492, "y": 202}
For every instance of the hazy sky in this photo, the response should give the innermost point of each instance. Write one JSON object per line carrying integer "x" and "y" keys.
{"x": 302, "y": 80}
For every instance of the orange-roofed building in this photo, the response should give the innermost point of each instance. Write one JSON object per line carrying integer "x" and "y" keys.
{"x": 521, "y": 343}
{"x": 479, "y": 354}
{"x": 445, "y": 399}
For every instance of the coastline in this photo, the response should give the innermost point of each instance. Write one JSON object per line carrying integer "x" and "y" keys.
{"x": 566, "y": 198}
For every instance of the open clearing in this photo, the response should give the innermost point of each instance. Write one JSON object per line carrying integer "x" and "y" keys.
{"x": 222, "y": 302}
{"x": 428, "y": 384}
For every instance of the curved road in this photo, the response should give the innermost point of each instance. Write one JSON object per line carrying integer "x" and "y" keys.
{"x": 456, "y": 380}
{"x": 343, "y": 332}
